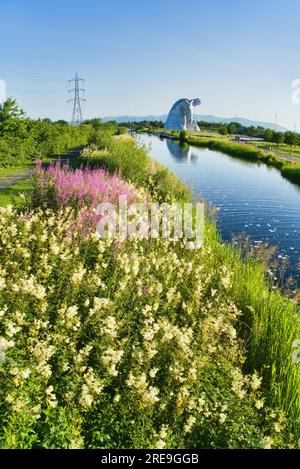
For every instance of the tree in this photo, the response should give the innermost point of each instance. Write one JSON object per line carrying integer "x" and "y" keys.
{"x": 96, "y": 123}
{"x": 223, "y": 130}
{"x": 291, "y": 139}
{"x": 61, "y": 122}
{"x": 279, "y": 138}
{"x": 231, "y": 128}
{"x": 12, "y": 119}
{"x": 269, "y": 135}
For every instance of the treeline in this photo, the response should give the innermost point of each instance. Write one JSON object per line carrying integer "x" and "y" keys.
{"x": 233, "y": 128}
{"x": 269, "y": 135}
{"x": 23, "y": 139}
{"x": 139, "y": 125}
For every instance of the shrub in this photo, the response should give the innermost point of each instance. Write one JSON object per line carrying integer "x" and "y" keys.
{"x": 183, "y": 135}
{"x": 120, "y": 345}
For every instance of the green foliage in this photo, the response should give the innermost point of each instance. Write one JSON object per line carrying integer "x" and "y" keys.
{"x": 23, "y": 140}
{"x": 12, "y": 120}
{"x": 121, "y": 130}
{"x": 183, "y": 135}
{"x": 291, "y": 172}
{"x": 279, "y": 138}
{"x": 223, "y": 130}
{"x": 101, "y": 134}
{"x": 121, "y": 344}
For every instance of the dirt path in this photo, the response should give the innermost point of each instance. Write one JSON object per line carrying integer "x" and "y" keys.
{"x": 8, "y": 181}
{"x": 13, "y": 179}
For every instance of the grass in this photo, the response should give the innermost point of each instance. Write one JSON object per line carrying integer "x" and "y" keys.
{"x": 13, "y": 195}
{"x": 269, "y": 324}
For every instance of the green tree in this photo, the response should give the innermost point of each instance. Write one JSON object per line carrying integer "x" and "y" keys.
{"x": 231, "y": 128}
{"x": 223, "y": 130}
{"x": 269, "y": 135}
{"x": 279, "y": 139}
{"x": 291, "y": 139}
{"x": 12, "y": 120}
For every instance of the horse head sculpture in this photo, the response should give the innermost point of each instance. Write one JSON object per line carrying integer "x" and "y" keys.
{"x": 181, "y": 115}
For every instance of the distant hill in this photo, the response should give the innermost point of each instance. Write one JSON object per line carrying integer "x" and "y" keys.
{"x": 209, "y": 118}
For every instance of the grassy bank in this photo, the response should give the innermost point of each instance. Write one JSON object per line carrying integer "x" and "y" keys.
{"x": 290, "y": 171}
{"x": 269, "y": 323}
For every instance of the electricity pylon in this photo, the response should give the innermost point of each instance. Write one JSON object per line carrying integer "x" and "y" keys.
{"x": 77, "y": 113}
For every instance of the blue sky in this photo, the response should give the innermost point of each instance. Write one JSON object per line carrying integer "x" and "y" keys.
{"x": 239, "y": 57}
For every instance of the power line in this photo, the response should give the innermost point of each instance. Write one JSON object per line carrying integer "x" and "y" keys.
{"x": 35, "y": 91}
{"x": 77, "y": 113}
{"x": 28, "y": 76}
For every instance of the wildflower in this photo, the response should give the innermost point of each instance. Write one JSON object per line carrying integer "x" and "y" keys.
{"x": 277, "y": 427}
{"x": 78, "y": 275}
{"x": 86, "y": 398}
{"x": 54, "y": 249}
{"x": 163, "y": 431}
{"x": 226, "y": 279}
{"x": 101, "y": 303}
{"x": 267, "y": 442}
{"x": 72, "y": 319}
{"x": 51, "y": 398}
{"x": 3, "y": 311}
{"x": 189, "y": 424}
{"x": 255, "y": 382}
{"x": 111, "y": 358}
{"x": 110, "y": 327}
{"x": 153, "y": 372}
{"x": 25, "y": 373}
{"x": 2, "y": 283}
{"x": 12, "y": 329}
{"x": 201, "y": 402}
{"x": 222, "y": 418}
{"x": 5, "y": 344}
{"x": 160, "y": 444}
{"x": 151, "y": 395}
{"x": 259, "y": 404}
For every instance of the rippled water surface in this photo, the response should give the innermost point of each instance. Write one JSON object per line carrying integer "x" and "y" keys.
{"x": 250, "y": 198}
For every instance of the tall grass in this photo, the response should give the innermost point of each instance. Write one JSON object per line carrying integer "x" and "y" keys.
{"x": 268, "y": 325}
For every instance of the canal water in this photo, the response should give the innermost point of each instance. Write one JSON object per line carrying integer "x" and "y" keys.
{"x": 251, "y": 200}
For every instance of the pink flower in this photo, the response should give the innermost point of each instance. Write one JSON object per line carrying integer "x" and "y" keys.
{"x": 83, "y": 189}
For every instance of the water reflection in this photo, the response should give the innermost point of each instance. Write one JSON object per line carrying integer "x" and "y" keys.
{"x": 179, "y": 152}
{"x": 250, "y": 198}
